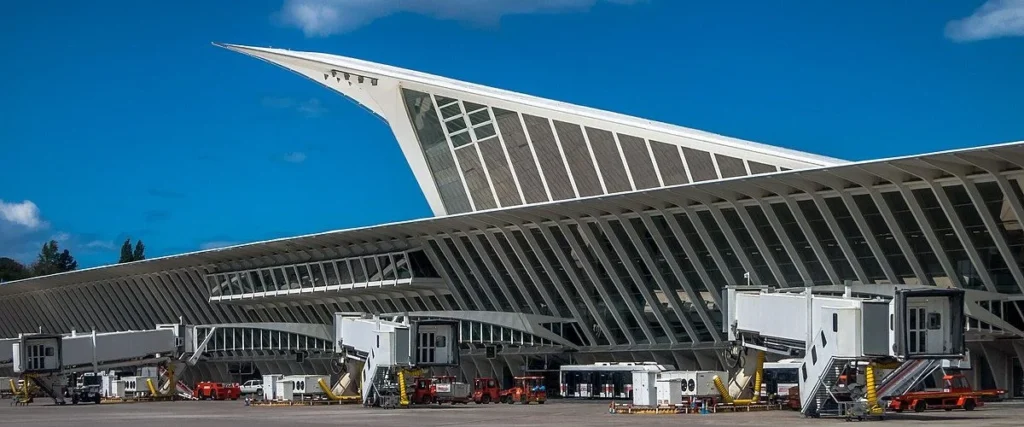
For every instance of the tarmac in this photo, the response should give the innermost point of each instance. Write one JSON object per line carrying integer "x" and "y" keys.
{"x": 555, "y": 412}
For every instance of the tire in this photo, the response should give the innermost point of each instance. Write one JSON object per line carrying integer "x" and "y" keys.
{"x": 920, "y": 406}
{"x": 970, "y": 404}
{"x": 486, "y": 399}
{"x": 259, "y": 392}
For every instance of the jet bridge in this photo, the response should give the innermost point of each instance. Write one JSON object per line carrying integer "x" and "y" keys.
{"x": 48, "y": 359}
{"x": 843, "y": 338}
{"x": 387, "y": 349}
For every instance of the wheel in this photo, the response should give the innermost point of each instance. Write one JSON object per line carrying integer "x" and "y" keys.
{"x": 920, "y": 406}
{"x": 485, "y": 400}
{"x": 969, "y": 405}
{"x": 259, "y": 391}
{"x": 540, "y": 402}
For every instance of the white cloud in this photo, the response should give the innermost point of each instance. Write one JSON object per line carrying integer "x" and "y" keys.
{"x": 217, "y": 244}
{"x": 321, "y": 18}
{"x": 25, "y": 214}
{"x": 994, "y": 19}
{"x": 101, "y": 244}
{"x": 295, "y": 157}
{"x": 61, "y": 237}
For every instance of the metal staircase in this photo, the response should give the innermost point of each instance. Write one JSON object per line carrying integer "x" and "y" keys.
{"x": 909, "y": 374}
{"x": 819, "y": 374}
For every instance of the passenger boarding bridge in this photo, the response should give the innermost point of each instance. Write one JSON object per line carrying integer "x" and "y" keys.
{"x": 846, "y": 341}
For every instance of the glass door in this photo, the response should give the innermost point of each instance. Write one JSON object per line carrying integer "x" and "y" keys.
{"x": 917, "y": 331}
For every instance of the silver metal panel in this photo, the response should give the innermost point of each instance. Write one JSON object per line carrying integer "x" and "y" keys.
{"x": 609, "y": 160}
{"x": 501, "y": 176}
{"x": 669, "y": 163}
{"x": 730, "y": 166}
{"x": 521, "y": 155}
{"x": 758, "y": 167}
{"x": 701, "y": 166}
{"x": 639, "y": 161}
{"x": 578, "y": 156}
{"x": 476, "y": 180}
{"x": 539, "y": 131}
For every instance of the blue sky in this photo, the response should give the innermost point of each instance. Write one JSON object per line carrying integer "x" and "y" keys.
{"x": 118, "y": 118}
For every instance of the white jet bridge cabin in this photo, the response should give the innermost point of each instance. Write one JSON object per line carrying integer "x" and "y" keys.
{"x": 389, "y": 349}
{"x": 845, "y": 342}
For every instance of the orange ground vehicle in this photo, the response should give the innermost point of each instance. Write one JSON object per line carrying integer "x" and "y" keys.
{"x": 486, "y": 390}
{"x": 422, "y": 393}
{"x": 207, "y": 390}
{"x": 956, "y": 394}
{"x": 527, "y": 390}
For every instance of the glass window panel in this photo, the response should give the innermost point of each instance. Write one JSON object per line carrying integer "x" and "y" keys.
{"x": 402, "y": 266}
{"x": 330, "y": 276}
{"x": 257, "y": 284}
{"x": 358, "y": 272}
{"x": 387, "y": 270}
{"x": 318, "y": 274}
{"x": 438, "y": 154}
{"x": 372, "y": 269}
{"x": 482, "y": 116}
{"x": 450, "y": 111}
{"x": 854, "y": 237}
{"x": 345, "y": 274}
{"x": 472, "y": 106}
{"x": 292, "y": 276}
{"x": 461, "y": 139}
{"x": 305, "y": 278}
{"x": 484, "y": 132}
{"x": 281, "y": 282}
{"x": 455, "y": 125}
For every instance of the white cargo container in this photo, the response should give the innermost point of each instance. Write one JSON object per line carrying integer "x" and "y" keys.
{"x": 5, "y": 386}
{"x": 285, "y": 389}
{"x": 307, "y": 385}
{"x": 696, "y": 383}
{"x": 670, "y": 391}
{"x": 117, "y": 389}
{"x": 271, "y": 390}
{"x": 645, "y": 388}
{"x": 138, "y": 386}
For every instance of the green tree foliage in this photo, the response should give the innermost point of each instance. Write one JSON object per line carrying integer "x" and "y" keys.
{"x": 140, "y": 251}
{"x": 129, "y": 255}
{"x": 52, "y": 260}
{"x": 11, "y": 270}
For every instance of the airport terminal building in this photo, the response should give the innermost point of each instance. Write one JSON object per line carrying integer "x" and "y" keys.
{"x": 563, "y": 234}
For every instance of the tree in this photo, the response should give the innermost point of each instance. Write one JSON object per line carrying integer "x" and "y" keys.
{"x": 52, "y": 261}
{"x": 126, "y": 251}
{"x": 129, "y": 255}
{"x": 11, "y": 270}
{"x": 140, "y": 251}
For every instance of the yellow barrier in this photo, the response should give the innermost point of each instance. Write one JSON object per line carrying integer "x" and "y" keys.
{"x": 152, "y": 388}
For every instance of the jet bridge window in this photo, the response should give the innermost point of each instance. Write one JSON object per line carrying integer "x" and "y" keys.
{"x": 934, "y": 321}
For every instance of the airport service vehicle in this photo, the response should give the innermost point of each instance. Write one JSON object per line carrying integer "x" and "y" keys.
{"x": 89, "y": 393}
{"x": 216, "y": 391}
{"x": 252, "y": 387}
{"x": 447, "y": 390}
{"x": 526, "y": 390}
{"x": 486, "y": 390}
{"x": 956, "y": 394}
{"x": 422, "y": 392}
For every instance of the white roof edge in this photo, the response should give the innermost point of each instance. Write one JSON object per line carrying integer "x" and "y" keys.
{"x": 388, "y": 71}
{"x": 550, "y": 203}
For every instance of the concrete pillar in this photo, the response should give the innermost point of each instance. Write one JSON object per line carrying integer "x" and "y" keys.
{"x": 999, "y": 363}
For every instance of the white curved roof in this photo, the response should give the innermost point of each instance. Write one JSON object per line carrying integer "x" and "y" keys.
{"x": 546, "y": 151}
